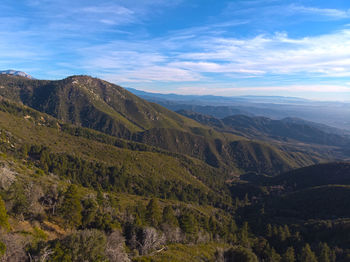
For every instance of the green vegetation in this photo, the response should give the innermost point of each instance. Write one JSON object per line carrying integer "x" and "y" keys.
{"x": 89, "y": 172}
{"x": 4, "y": 223}
{"x": 96, "y": 104}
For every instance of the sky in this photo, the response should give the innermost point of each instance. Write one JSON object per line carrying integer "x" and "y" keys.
{"x": 229, "y": 48}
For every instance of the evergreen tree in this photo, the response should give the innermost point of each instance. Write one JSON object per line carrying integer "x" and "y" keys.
{"x": 71, "y": 207}
{"x": 233, "y": 226}
{"x": 289, "y": 255}
{"x": 273, "y": 255}
{"x": 240, "y": 254}
{"x": 212, "y": 224}
{"x": 4, "y": 224}
{"x": 244, "y": 235}
{"x": 246, "y": 199}
{"x": 324, "y": 253}
{"x": 188, "y": 223}
{"x": 89, "y": 212}
{"x": 333, "y": 256}
{"x": 169, "y": 216}
{"x": 237, "y": 203}
{"x": 153, "y": 213}
{"x": 100, "y": 197}
{"x": 21, "y": 203}
{"x": 281, "y": 234}
{"x": 269, "y": 231}
{"x": 140, "y": 213}
{"x": 307, "y": 255}
{"x": 287, "y": 231}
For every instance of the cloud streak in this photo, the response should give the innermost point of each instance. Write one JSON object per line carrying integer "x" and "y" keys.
{"x": 326, "y": 12}
{"x": 322, "y": 56}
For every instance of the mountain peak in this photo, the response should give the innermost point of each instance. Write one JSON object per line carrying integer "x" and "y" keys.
{"x": 16, "y": 73}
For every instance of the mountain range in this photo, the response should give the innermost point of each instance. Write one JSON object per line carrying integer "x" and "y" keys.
{"x": 99, "y": 105}
{"x": 85, "y": 163}
{"x": 334, "y": 114}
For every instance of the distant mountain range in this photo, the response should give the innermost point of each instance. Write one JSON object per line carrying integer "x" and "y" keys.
{"x": 16, "y": 73}
{"x": 287, "y": 128}
{"x": 335, "y": 114}
{"x": 223, "y": 100}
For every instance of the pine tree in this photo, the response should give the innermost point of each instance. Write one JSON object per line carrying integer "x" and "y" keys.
{"x": 153, "y": 213}
{"x": 281, "y": 234}
{"x": 4, "y": 224}
{"x": 100, "y": 197}
{"x": 89, "y": 212}
{"x": 188, "y": 223}
{"x": 287, "y": 231}
{"x": 237, "y": 203}
{"x": 244, "y": 235}
{"x": 274, "y": 256}
{"x": 289, "y": 255}
{"x": 269, "y": 231}
{"x": 307, "y": 255}
{"x": 71, "y": 207}
{"x": 324, "y": 253}
{"x": 212, "y": 224}
{"x": 233, "y": 226}
{"x": 240, "y": 254}
{"x": 140, "y": 213}
{"x": 246, "y": 199}
{"x": 169, "y": 216}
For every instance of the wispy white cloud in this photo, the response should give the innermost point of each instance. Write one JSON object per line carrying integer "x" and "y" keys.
{"x": 326, "y": 12}
{"x": 327, "y": 55}
{"x": 263, "y": 55}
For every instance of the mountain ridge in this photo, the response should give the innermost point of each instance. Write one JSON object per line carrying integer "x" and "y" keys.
{"x": 97, "y": 104}
{"x": 16, "y": 73}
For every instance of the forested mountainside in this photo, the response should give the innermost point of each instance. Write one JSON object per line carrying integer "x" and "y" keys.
{"x": 90, "y": 172}
{"x": 292, "y": 133}
{"x": 99, "y": 105}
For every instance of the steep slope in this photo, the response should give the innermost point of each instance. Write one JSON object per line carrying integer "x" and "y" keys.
{"x": 98, "y": 159}
{"x": 46, "y": 217}
{"x": 97, "y": 104}
{"x": 324, "y": 202}
{"x": 91, "y": 103}
{"x": 316, "y": 192}
{"x": 313, "y": 176}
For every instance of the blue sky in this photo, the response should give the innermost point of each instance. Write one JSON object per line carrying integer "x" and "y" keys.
{"x": 243, "y": 47}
